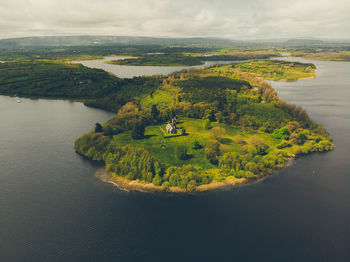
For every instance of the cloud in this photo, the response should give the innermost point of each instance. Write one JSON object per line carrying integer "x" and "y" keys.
{"x": 248, "y": 19}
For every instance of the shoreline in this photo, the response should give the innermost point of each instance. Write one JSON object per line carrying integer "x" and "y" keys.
{"x": 127, "y": 185}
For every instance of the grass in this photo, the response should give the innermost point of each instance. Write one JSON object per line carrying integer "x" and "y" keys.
{"x": 161, "y": 98}
{"x": 164, "y": 149}
{"x": 278, "y": 70}
{"x": 330, "y": 56}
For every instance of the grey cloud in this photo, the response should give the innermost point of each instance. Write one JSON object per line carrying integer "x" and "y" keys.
{"x": 248, "y": 19}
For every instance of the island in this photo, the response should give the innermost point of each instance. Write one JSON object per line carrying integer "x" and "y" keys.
{"x": 205, "y": 128}
{"x": 194, "y": 130}
{"x": 191, "y": 58}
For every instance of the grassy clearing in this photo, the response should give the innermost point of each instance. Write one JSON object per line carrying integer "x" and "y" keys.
{"x": 163, "y": 149}
{"x": 278, "y": 70}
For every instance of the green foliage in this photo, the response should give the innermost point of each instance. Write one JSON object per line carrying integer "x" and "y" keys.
{"x": 161, "y": 60}
{"x": 128, "y": 159}
{"x": 212, "y": 151}
{"x": 194, "y": 144}
{"x": 154, "y": 113}
{"x": 278, "y": 70}
{"x": 284, "y": 144}
{"x": 206, "y": 124}
{"x": 165, "y": 186}
{"x": 209, "y": 115}
{"x": 92, "y": 145}
{"x": 324, "y": 145}
{"x": 138, "y": 131}
{"x": 281, "y": 133}
{"x": 181, "y": 152}
{"x": 98, "y": 128}
{"x": 229, "y": 161}
{"x": 157, "y": 180}
{"x": 208, "y": 89}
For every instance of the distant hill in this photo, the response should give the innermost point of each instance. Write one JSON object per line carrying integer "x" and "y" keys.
{"x": 70, "y": 41}
{"x": 108, "y": 40}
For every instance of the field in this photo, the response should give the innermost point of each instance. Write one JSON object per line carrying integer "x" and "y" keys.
{"x": 278, "y": 70}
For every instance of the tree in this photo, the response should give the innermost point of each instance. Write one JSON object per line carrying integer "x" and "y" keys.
{"x": 281, "y": 133}
{"x": 217, "y": 132}
{"x": 259, "y": 144}
{"x": 181, "y": 152}
{"x": 157, "y": 180}
{"x": 98, "y": 128}
{"x": 191, "y": 186}
{"x": 154, "y": 113}
{"x": 173, "y": 179}
{"x": 297, "y": 138}
{"x": 206, "y": 124}
{"x": 212, "y": 151}
{"x": 194, "y": 144}
{"x": 165, "y": 186}
{"x": 292, "y": 126}
{"x": 229, "y": 161}
{"x": 209, "y": 114}
{"x": 138, "y": 131}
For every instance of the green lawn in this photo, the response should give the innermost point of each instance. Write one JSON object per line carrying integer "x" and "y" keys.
{"x": 278, "y": 70}
{"x": 163, "y": 149}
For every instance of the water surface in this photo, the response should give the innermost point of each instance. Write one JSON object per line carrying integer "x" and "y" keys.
{"x": 52, "y": 208}
{"x": 126, "y": 71}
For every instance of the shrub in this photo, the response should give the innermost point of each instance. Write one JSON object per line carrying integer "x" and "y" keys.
{"x": 98, "y": 128}
{"x": 194, "y": 144}
{"x": 157, "y": 180}
{"x": 206, "y": 124}
{"x": 281, "y": 133}
{"x": 165, "y": 186}
{"x": 324, "y": 145}
{"x": 258, "y": 143}
{"x": 217, "y": 132}
{"x": 191, "y": 186}
{"x": 284, "y": 144}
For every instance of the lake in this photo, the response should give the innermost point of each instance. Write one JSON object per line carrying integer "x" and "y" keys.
{"x": 52, "y": 208}
{"x": 125, "y": 71}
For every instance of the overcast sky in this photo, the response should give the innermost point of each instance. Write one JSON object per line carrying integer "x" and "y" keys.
{"x": 236, "y": 19}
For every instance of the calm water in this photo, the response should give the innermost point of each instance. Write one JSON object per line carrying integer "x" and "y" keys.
{"x": 131, "y": 71}
{"x": 53, "y": 209}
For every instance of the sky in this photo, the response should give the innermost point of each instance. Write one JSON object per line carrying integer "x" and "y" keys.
{"x": 235, "y": 19}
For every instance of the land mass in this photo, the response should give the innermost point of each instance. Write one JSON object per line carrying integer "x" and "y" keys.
{"x": 229, "y": 126}
{"x": 191, "y": 59}
{"x": 324, "y": 55}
